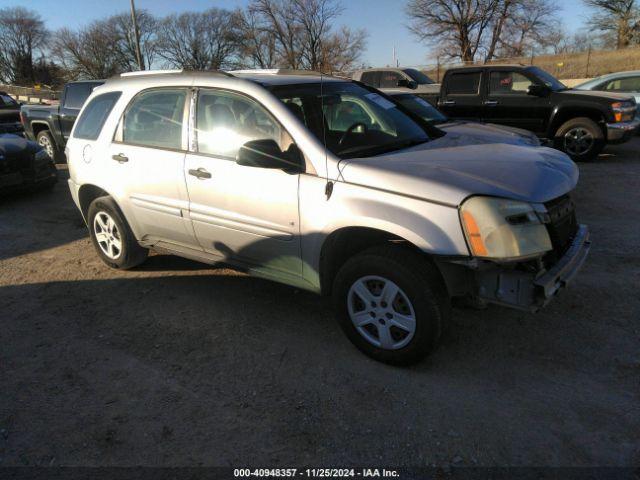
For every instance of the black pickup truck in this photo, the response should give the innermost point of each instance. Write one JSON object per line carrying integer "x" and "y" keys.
{"x": 577, "y": 122}
{"x": 9, "y": 114}
{"x": 50, "y": 126}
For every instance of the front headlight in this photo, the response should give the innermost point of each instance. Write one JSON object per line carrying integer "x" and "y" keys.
{"x": 503, "y": 229}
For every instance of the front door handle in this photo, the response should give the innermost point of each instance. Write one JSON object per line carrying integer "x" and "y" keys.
{"x": 491, "y": 103}
{"x": 449, "y": 102}
{"x": 120, "y": 158}
{"x": 200, "y": 173}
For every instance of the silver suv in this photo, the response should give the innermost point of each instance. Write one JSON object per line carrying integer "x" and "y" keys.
{"x": 326, "y": 185}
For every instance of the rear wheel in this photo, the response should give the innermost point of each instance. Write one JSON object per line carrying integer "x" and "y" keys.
{"x": 580, "y": 138}
{"x": 392, "y": 304}
{"x": 111, "y": 236}
{"x": 45, "y": 140}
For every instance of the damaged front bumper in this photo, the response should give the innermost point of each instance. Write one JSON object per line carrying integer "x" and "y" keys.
{"x": 511, "y": 286}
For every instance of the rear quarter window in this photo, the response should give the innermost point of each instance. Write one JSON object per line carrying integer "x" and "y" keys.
{"x": 92, "y": 119}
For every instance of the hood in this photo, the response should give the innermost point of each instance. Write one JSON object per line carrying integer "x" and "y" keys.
{"x": 490, "y": 133}
{"x": 593, "y": 93}
{"x": 451, "y": 168}
{"x": 13, "y": 145}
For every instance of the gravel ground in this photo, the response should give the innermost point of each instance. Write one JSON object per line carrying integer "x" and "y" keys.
{"x": 177, "y": 363}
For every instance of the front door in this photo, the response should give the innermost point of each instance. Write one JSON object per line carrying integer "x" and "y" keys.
{"x": 507, "y": 102}
{"x": 244, "y": 214}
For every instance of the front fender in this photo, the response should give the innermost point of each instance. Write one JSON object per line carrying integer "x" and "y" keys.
{"x": 431, "y": 227}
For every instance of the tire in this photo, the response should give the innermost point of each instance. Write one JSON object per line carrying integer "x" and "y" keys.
{"x": 117, "y": 246}
{"x": 45, "y": 140}
{"x": 421, "y": 295}
{"x": 581, "y": 138}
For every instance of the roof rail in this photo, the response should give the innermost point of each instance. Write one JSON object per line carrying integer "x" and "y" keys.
{"x": 149, "y": 72}
{"x": 275, "y": 71}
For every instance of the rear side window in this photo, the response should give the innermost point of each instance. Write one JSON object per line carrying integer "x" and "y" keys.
{"x": 154, "y": 119}
{"x": 463, "y": 83}
{"x": 94, "y": 115}
{"x": 371, "y": 78}
{"x": 76, "y": 95}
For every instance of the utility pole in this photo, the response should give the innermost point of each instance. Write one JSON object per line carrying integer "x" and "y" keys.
{"x": 136, "y": 35}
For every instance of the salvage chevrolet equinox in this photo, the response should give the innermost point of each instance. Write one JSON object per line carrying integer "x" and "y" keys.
{"x": 327, "y": 185}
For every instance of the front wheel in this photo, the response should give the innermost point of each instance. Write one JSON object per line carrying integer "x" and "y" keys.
{"x": 111, "y": 236}
{"x": 580, "y": 138}
{"x": 392, "y": 304}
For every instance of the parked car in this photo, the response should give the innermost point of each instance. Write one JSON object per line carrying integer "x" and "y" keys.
{"x": 50, "y": 126}
{"x": 279, "y": 174}
{"x": 470, "y": 132}
{"x": 9, "y": 114}
{"x": 24, "y": 165}
{"x": 578, "y": 122}
{"x": 621, "y": 82}
{"x": 404, "y": 80}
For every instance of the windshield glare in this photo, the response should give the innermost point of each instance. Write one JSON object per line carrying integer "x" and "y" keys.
{"x": 357, "y": 122}
{"x": 549, "y": 80}
{"x": 419, "y": 77}
{"x": 421, "y": 107}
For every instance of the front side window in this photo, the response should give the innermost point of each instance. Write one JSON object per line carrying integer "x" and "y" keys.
{"x": 92, "y": 119}
{"x": 225, "y": 121}
{"x": 463, "y": 83}
{"x": 418, "y": 77}
{"x": 549, "y": 80}
{"x": 351, "y": 120}
{"x": 508, "y": 83}
{"x": 154, "y": 119}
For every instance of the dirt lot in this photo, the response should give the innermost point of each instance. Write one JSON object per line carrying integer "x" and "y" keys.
{"x": 177, "y": 363}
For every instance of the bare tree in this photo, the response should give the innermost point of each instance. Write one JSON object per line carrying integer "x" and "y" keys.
{"x": 459, "y": 26}
{"x": 619, "y": 19}
{"x": 257, "y": 47}
{"x": 88, "y": 53}
{"x": 528, "y": 27}
{"x": 206, "y": 40}
{"x": 302, "y": 34}
{"x": 121, "y": 28}
{"x": 22, "y": 33}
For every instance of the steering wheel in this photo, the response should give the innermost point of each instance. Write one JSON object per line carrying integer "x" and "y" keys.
{"x": 350, "y": 130}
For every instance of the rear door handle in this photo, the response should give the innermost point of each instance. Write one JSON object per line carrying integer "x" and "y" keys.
{"x": 200, "y": 173}
{"x": 449, "y": 102}
{"x": 120, "y": 158}
{"x": 491, "y": 103}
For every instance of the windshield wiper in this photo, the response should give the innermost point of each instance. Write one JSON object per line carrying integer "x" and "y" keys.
{"x": 359, "y": 152}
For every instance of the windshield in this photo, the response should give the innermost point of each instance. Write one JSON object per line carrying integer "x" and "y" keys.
{"x": 351, "y": 120}
{"x": 421, "y": 107}
{"x": 419, "y": 77}
{"x": 549, "y": 80}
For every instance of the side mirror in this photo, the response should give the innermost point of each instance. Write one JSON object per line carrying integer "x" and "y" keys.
{"x": 538, "y": 90}
{"x": 266, "y": 153}
{"x": 404, "y": 83}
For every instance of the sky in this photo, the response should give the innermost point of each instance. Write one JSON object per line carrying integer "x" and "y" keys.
{"x": 385, "y": 20}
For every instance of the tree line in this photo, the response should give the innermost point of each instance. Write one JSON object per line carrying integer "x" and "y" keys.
{"x": 266, "y": 34}
{"x": 483, "y": 30}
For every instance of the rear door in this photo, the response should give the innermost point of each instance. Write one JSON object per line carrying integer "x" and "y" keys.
{"x": 507, "y": 101}
{"x": 147, "y": 156}
{"x": 461, "y": 96}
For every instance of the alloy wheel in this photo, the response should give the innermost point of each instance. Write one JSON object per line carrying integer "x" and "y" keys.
{"x": 578, "y": 141}
{"x": 107, "y": 235}
{"x": 381, "y": 312}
